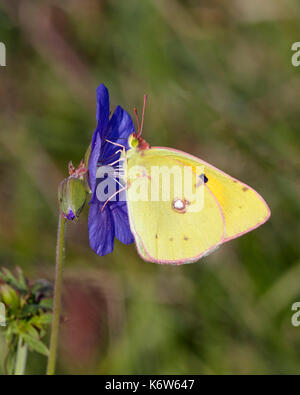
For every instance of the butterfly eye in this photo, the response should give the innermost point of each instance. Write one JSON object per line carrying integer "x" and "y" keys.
{"x": 133, "y": 141}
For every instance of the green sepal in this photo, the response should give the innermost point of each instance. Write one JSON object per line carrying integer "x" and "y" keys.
{"x": 72, "y": 197}
{"x": 86, "y": 165}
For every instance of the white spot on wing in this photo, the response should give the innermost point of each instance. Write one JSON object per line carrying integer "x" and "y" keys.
{"x": 178, "y": 204}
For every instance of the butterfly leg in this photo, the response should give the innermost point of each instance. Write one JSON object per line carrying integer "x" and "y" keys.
{"x": 113, "y": 195}
{"x": 116, "y": 144}
{"x": 111, "y": 156}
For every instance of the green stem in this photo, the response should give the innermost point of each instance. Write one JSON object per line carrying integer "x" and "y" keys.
{"x": 21, "y": 358}
{"x": 57, "y": 294}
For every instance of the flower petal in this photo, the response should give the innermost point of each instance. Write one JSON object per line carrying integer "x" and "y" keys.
{"x": 102, "y": 114}
{"x": 101, "y": 229}
{"x": 93, "y": 161}
{"x": 121, "y": 221}
{"x": 120, "y": 128}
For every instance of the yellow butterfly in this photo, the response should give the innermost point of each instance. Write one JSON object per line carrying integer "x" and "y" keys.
{"x": 174, "y": 224}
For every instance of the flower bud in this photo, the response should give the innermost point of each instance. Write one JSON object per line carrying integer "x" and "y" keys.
{"x": 71, "y": 196}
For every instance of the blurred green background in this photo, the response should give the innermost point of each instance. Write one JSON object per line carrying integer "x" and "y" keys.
{"x": 221, "y": 86}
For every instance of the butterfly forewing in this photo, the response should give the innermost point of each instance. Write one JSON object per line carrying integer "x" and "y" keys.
{"x": 243, "y": 208}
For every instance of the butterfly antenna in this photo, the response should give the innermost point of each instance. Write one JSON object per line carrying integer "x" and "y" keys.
{"x": 140, "y": 127}
{"x": 137, "y": 121}
{"x": 144, "y": 107}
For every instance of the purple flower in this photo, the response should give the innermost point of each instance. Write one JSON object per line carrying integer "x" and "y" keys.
{"x": 108, "y": 220}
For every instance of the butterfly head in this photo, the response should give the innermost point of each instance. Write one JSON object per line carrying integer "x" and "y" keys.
{"x": 135, "y": 140}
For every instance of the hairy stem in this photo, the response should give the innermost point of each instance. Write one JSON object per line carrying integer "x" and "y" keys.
{"x": 57, "y": 294}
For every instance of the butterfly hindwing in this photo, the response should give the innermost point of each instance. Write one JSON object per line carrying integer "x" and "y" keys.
{"x": 164, "y": 234}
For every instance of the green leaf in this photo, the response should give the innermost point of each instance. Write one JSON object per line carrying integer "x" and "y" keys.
{"x": 46, "y": 303}
{"x": 2, "y": 277}
{"x": 41, "y": 286}
{"x": 32, "y": 332}
{"x": 36, "y": 345}
{"x": 21, "y": 280}
{"x": 10, "y": 297}
{"x": 30, "y": 309}
{"x": 11, "y": 359}
{"x": 40, "y": 320}
{"x": 9, "y": 278}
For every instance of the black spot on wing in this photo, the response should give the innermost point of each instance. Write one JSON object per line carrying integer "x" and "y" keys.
{"x": 203, "y": 178}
